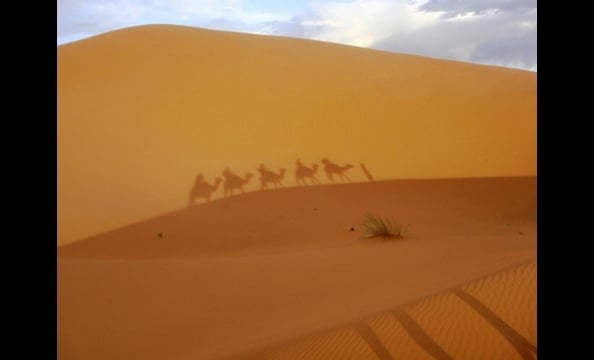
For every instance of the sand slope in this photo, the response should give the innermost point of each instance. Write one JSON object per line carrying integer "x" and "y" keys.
{"x": 253, "y": 273}
{"x": 142, "y": 110}
{"x": 317, "y": 216}
{"x": 454, "y": 324}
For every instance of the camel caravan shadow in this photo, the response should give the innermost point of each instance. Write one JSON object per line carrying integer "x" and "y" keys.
{"x": 268, "y": 176}
{"x": 234, "y": 184}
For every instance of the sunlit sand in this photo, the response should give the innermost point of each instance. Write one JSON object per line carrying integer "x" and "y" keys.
{"x": 212, "y": 188}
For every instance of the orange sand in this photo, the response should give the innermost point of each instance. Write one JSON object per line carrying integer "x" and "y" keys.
{"x": 278, "y": 272}
{"x": 142, "y": 110}
{"x": 443, "y": 326}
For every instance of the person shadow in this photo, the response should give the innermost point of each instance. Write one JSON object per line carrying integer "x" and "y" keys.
{"x": 270, "y": 177}
{"x": 302, "y": 173}
{"x": 202, "y": 189}
{"x": 234, "y": 182}
{"x": 331, "y": 169}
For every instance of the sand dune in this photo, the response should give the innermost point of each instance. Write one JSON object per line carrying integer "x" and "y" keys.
{"x": 278, "y": 274}
{"x": 317, "y": 216}
{"x": 450, "y": 325}
{"x": 284, "y": 273}
{"x": 142, "y": 110}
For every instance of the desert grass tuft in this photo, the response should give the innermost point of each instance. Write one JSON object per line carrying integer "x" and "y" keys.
{"x": 377, "y": 227}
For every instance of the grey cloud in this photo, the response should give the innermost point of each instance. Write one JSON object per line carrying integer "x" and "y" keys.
{"x": 81, "y": 18}
{"x": 83, "y": 28}
{"x": 280, "y": 28}
{"x": 221, "y": 24}
{"x": 521, "y": 52}
{"x": 456, "y": 7}
{"x": 502, "y": 39}
{"x": 292, "y": 28}
{"x": 506, "y": 38}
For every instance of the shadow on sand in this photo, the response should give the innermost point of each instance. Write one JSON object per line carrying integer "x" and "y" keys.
{"x": 234, "y": 184}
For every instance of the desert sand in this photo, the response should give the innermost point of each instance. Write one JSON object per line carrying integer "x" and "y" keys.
{"x": 482, "y": 319}
{"x": 235, "y": 276}
{"x": 150, "y": 267}
{"x": 142, "y": 111}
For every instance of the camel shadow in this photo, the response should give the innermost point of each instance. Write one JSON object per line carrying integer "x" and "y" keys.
{"x": 303, "y": 173}
{"x": 202, "y": 189}
{"x": 331, "y": 169}
{"x": 268, "y": 176}
{"x": 234, "y": 182}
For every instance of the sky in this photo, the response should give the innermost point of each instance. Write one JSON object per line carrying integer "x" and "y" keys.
{"x": 491, "y": 32}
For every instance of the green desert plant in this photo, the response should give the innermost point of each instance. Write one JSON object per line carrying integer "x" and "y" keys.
{"x": 375, "y": 226}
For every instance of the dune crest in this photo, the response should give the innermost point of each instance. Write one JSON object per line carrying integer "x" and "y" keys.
{"x": 321, "y": 216}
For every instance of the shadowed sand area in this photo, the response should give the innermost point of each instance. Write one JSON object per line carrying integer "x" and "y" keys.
{"x": 278, "y": 274}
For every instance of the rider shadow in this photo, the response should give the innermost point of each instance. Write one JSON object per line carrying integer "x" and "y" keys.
{"x": 268, "y": 176}
{"x": 232, "y": 182}
{"x": 202, "y": 189}
{"x": 331, "y": 169}
{"x": 303, "y": 173}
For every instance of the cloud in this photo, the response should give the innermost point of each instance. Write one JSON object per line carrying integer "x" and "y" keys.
{"x": 362, "y": 22}
{"x": 452, "y": 8}
{"x": 81, "y": 18}
{"x": 483, "y": 31}
{"x": 293, "y": 27}
{"x": 497, "y": 32}
{"x": 503, "y": 38}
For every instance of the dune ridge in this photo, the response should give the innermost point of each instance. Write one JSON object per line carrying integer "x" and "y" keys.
{"x": 142, "y": 110}
{"x": 318, "y": 215}
{"x": 440, "y": 326}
